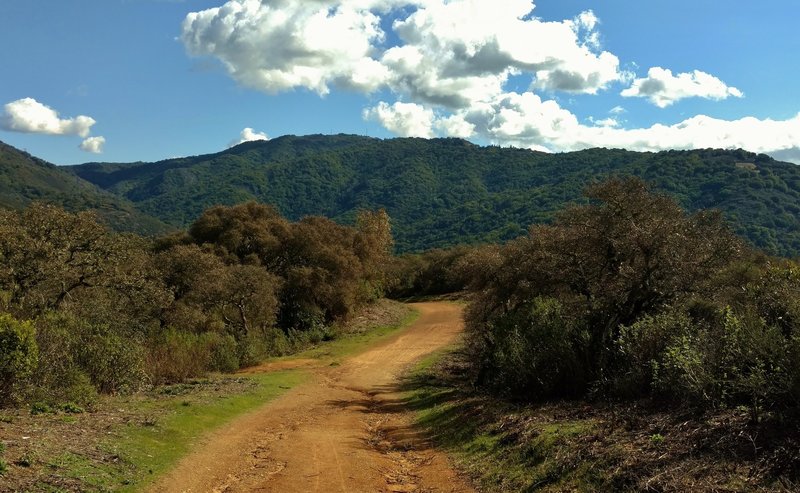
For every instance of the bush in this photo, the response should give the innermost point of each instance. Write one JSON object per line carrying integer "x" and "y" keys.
{"x": 176, "y": 356}
{"x": 114, "y": 364}
{"x": 681, "y": 374}
{"x": 276, "y": 343}
{"x": 740, "y": 360}
{"x": 80, "y": 359}
{"x": 536, "y": 352}
{"x": 224, "y": 354}
{"x": 641, "y": 350}
{"x": 41, "y": 408}
{"x": 59, "y": 377}
{"x": 18, "y": 357}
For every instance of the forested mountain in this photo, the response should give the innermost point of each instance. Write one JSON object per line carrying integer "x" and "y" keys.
{"x": 445, "y": 191}
{"x": 24, "y": 179}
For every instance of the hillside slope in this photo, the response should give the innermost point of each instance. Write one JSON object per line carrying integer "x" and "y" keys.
{"x": 24, "y": 179}
{"x": 445, "y": 191}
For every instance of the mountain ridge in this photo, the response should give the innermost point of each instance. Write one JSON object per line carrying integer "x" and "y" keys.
{"x": 25, "y": 178}
{"x": 441, "y": 192}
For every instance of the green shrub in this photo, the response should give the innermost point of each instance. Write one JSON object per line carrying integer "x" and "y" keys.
{"x": 41, "y": 408}
{"x": 251, "y": 350}
{"x": 224, "y": 353}
{"x": 176, "y": 356}
{"x": 114, "y": 363}
{"x": 72, "y": 408}
{"x": 682, "y": 374}
{"x": 641, "y": 348}
{"x": 80, "y": 359}
{"x": 276, "y": 343}
{"x": 75, "y": 387}
{"x": 19, "y": 356}
{"x": 753, "y": 363}
{"x": 739, "y": 360}
{"x": 537, "y": 352}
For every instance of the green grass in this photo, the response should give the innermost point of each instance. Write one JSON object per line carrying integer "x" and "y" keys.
{"x": 332, "y": 352}
{"x": 152, "y": 447}
{"x": 494, "y": 442}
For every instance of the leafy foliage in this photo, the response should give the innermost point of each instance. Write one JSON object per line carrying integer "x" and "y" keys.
{"x": 444, "y": 192}
{"x": 629, "y": 296}
{"x": 18, "y": 356}
{"x": 116, "y": 312}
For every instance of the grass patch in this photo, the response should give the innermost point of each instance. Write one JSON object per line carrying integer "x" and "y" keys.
{"x": 595, "y": 446}
{"x": 152, "y": 446}
{"x": 497, "y": 443}
{"x": 346, "y": 344}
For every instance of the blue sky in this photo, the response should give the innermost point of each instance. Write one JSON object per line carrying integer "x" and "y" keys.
{"x": 132, "y": 80}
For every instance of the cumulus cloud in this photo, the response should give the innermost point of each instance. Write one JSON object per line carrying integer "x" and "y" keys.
{"x": 451, "y": 52}
{"x": 93, "y": 144}
{"x": 663, "y": 88}
{"x": 30, "y": 116}
{"x": 447, "y": 68}
{"x": 404, "y": 119}
{"x": 284, "y": 44}
{"x": 248, "y": 135}
{"x": 525, "y": 120}
{"x": 462, "y": 51}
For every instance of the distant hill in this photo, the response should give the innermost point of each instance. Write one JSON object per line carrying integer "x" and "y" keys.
{"x": 24, "y": 178}
{"x": 441, "y": 192}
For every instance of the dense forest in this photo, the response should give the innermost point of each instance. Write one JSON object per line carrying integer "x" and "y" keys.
{"x": 86, "y": 310}
{"x": 444, "y": 192}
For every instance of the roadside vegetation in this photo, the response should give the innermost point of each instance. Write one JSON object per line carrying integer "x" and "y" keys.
{"x": 123, "y": 442}
{"x": 86, "y": 311}
{"x": 630, "y": 297}
{"x": 626, "y": 346}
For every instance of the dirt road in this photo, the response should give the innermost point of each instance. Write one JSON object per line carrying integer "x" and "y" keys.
{"x": 345, "y": 431}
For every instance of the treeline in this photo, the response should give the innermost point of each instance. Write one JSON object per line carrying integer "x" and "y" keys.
{"x": 86, "y": 310}
{"x": 628, "y": 296}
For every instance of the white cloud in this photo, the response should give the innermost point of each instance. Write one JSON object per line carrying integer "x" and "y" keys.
{"x": 248, "y": 135}
{"x": 450, "y": 70}
{"x": 605, "y": 122}
{"x": 93, "y": 144}
{"x": 284, "y": 44}
{"x": 663, "y": 88}
{"x": 455, "y": 126}
{"x": 525, "y": 120}
{"x": 30, "y": 116}
{"x": 617, "y": 110}
{"x": 452, "y": 52}
{"x": 404, "y": 119}
{"x": 460, "y": 52}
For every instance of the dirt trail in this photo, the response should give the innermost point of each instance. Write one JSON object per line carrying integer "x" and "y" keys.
{"x": 345, "y": 431}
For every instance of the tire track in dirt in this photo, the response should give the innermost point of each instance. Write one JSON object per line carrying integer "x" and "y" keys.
{"x": 345, "y": 431}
